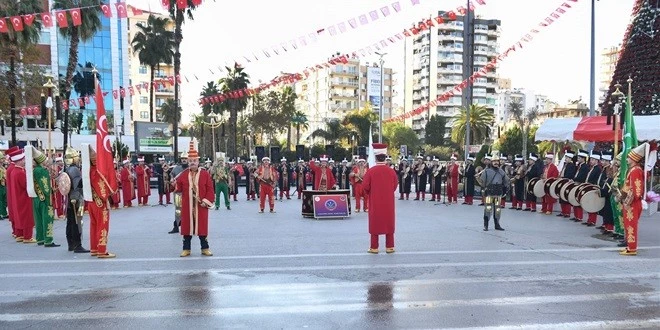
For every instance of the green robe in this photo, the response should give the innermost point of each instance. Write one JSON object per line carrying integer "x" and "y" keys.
{"x": 221, "y": 185}
{"x": 42, "y": 208}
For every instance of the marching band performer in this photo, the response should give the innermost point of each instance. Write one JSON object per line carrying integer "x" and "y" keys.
{"x": 437, "y": 172}
{"x": 22, "y": 203}
{"x": 357, "y": 177}
{"x": 143, "y": 173}
{"x": 452, "y": 180}
{"x": 592, "y": 177}
{"x": 75, "y": 202}
{"x": 494, "y": 181}
{"x": 581, "y": 174}
{"x": 568, "y": 172}
{"x": 127, "y": 189}
{"x": 518, "y": 192}
{"x": 162, "y": 173}
{"x": 58, "y": 199}
{"x": 235, "y": 171}
{"x": 379, "y": 183}
{"x": 10, "y": 206}
{"x": 40, "y": 189}
{"x": 301, "y": 177}
{"x": 196, "y": 187}
{"x": 633, "y": 191}
{"x": 486, "y": 163}
{"x": 343, "y": 171}
{"x": 388, "y": 163}
{"x": 469, "y": 172}
{"x": 324, "y": 180}
{"x": 605, "y": 184}
{"x": 220, "y": 176}
{"x": 115, "y": 198}
{"x": 250, "y": 181}
{"x": 3, "y": 189}
{"x": 619, "y": 232}
{"x": 534, "y": 170}
{"x": 506, "y": 166}
{"x": 550, "y": 171}
{"x": 405, "y": 178}
{"x": 267, "y": 176}
{"x": 420, "y": 172}
{"x": 284, "y": 181}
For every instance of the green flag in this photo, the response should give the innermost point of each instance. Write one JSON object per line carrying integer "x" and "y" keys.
{"x": 629, "y": 140}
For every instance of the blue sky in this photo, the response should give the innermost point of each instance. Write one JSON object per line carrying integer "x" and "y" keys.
{"x": 556, "y": 63}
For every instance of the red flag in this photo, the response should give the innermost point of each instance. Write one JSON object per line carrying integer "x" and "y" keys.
{"x": 105, "y": 8}
{"x": 137, "y": 12}
{"x": 28, "y": 19}
{"x": 165, "y": 3}
{"x": 60, "y": 16}
{"x": 3, "y": 26}
{"x": 75, "y": 16}
{"x": 17, "y": 22}
{"x": 197, "y": 2}
{"x": 181, "y": 4}
{"x": 103, "y": 145}
{"x": 47, "y": 20}
{"x": 121, "y": 10}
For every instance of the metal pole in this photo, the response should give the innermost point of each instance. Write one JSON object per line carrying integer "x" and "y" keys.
{"x": 213, "y": 133}
{"x": 12, "y": 100}
{"x": 592, "y": 84}
{"x": 468, "y": 58}
{"x": 380, "y": 116}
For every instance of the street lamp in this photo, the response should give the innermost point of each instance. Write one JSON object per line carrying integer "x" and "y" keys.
{"x": 50, "y": 87}
{"x": 380, "y": 115}
{"x": 214, "y": 124}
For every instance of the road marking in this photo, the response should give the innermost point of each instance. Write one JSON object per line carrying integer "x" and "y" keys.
{"x": 587, "y": 325}
{"x": 327, "y": 308}
{"x": 314, "y": 255}
{"x": 321, "y": 268}
{"x": 295, "y": 288}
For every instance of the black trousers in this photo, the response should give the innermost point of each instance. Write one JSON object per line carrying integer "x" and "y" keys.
{"x": 73, "y": 235}
{"x": 203, "y": 242}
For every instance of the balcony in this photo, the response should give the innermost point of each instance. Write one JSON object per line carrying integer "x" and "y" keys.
{"x": 344, "y": 72}
{"x": 341, "y": 107}
{"x": 343, "y": 83}
{"x": 164, "y": 91}
{"x": 457, "y": 59}
{"x": 493, "y": 33}
{"x": 343, "y": 95}
{"x": 448, "y": 70}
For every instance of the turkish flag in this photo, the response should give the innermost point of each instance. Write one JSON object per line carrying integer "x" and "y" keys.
{"x": 121, "y": 10}
{"x": 137, "y": 12}
{"x": 47, "y": 20}
{"x": 104, "y": 157}
{"x": 197, "y": 2}
{"x": 106, "y": 10}
{"x": 28, "y": 19}
{"x": 60, "y": 17}
{"x": 75, "y": 16}
{"x": 181, "y": 4}
{"x": 165, "y": 3}
{"x": 17, "y": 23}
{"x": 3, "y": 26}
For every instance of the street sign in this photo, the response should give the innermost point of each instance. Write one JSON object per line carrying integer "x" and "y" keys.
{"x": 403, "y": 150}
{"x": 474, "y": 148}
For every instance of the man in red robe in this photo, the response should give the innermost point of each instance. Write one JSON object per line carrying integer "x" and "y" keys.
{"x": 143, "y": 173}
{"x": 22, "y": 203}
{"x": 57, "y": 198}
{"x": 633, "y": 189}
{"x": 267, "y": 176}
{"x": 323, "y": 178}
{"x": 115, "y": 199}
{"x": 10, "y": 207}
{"x": 550, "y": 171}
{"x": 126, "y": 179}
{"x": 357, "y": 180}
{"x": 452, "y": 180}
{"x": 197, "y": 197}
{"x": 96, "y": 192}
{"x": 379, "y": 183}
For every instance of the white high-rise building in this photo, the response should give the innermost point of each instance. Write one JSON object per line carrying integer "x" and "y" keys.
{"x": 434, "y": 65}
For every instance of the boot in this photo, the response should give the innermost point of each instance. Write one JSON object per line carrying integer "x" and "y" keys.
{"x": 497, "y": 224}
{"x": 485, "y": 223}
{"x": 175, "y": 229}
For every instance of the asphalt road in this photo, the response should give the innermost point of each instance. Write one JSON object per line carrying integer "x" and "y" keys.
{"x": 273, "y": 271}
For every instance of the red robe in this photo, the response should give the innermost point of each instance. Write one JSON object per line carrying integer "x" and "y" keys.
{"x": 318, "y": 172}
{"x": 127, "y": 190}
{"x": 143, "y": 174}
{"x": 634, "y": 185}
{"x": 56, "y": 196}
{"x": 452, "y": 175}
{"x": 10, "y": 207}
{"x": 22, "y": 203}
{"x": 549, "y": 172}
{"x": 379, "y": 184}
{"x": 116, "y": 197}
{"x": 99, "y": 215}
{"x": 194, "y": 216}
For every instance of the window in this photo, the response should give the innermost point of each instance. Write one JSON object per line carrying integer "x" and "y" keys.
{"x": 144, "y": 100}
{"x": 143, "y": 69}
{"x": 144, "y": 114}
{"x": 160, "y": 102}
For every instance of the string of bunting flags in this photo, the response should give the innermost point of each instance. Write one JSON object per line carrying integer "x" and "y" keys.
{"x": 527, "y": 38}
{"x": 423, "y": 24}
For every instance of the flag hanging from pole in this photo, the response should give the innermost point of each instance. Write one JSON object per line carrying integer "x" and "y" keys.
{"x": 629, "y": 140}
{"x": 104, "y": 155}
{"x": 371, "y": 158}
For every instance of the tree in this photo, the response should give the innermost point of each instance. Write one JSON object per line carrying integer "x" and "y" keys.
{"x": 481, "y": 120}
{"x": 288, "y": 111}
{"x": 210, "y": 89}
{"x": 396, "y": 134}
{"x": 83, "y": 82}
{"x": 167, "y": 111}
{"x": 524, "y": 119}
{"x": 91, "y": 23}
{"x": 236, "y": 80}
{"x": 361, "y": 121}
{"x": 179, "y": 18}
{"x": 639, "y": 60}
{"x": 154, "y": 44}
{"x": 511, "y": 142}
{"x": 333, "y": 133}
{"x": 29, "y": 81}
{"x": 120, "y": 150}
{"x": 13, "y": 42}
{"x": 300, "y": 120}
{"x": 435, "y": 131}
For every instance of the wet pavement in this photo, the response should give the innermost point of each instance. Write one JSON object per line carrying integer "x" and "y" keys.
{"x": 280, "y": 271}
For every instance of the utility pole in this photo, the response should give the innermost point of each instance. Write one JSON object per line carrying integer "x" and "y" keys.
{"x": 468, "y": 69}
{"x": 592, "y": 82}
{"x": 380, "y": 112}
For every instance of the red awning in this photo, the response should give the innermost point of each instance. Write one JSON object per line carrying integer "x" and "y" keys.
{"x": 594, "y": 129}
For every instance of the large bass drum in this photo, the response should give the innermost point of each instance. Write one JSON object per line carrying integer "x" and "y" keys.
{"x": 548, "y": 184}
{"x": 555, "y": 187}
{"x": 589, "y": 198}
{"x": 566, "y": 190}
{"x": 531, "y": 184}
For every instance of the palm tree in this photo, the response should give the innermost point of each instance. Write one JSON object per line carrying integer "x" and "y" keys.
{"x": 91, "y": 23}
{"x": 288, "y": 110}
{"x": 524, "y": 119}
{"x": 178, "y": 17}
{"x": 300, "y": 120}
{"x": 481, "y": 121}
{"x": 154, "y": 44}
{"x": 235, "y": 80}
{"x": 334, "y": 132}
{"x": 361, "y": 121}
{"x": 83, "y": 84}
{"x": 13, "y": 42}
{"x": 167, "y": 111}
{"x": 210, "y": 89}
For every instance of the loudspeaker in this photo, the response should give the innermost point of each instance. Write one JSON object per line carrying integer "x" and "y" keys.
{"x": 260, "y": 151}
{"x": 275, "y": 154}
{"x": 362, "y": 152}
{"x": 329, "y": 150}
{"x": 300, "y": 151}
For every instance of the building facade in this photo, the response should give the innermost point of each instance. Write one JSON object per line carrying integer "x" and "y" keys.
{"x": 434, "y": 65}
{"x": 141, "y": 74}
{"x": 333, "y": 92}
{"x": 572, "y": 110}
{"x": 608, "y": 59}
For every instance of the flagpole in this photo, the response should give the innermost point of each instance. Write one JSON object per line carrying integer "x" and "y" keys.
{"x": 617, "y": 111}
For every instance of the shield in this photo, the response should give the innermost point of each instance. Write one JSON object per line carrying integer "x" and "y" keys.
{"x": 63, "y": 183}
